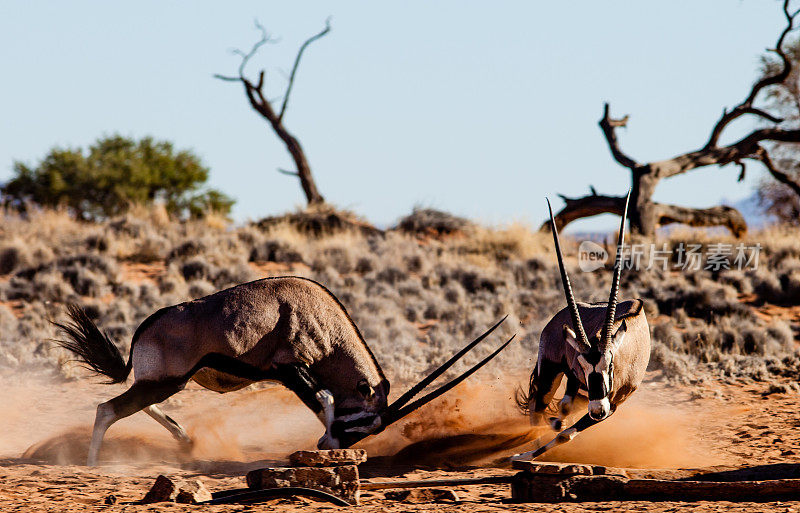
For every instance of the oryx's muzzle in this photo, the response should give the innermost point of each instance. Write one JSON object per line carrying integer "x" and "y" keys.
{"x": 350, "y": 431}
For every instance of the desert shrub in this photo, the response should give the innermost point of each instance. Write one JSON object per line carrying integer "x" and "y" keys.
{"x": 187, "y": 249}
{"x": 13, "y": 255}
{"x": 391, "y": 275}
{"x": 320, "y": 220}
{"x": 275, "y": 251}
{"x": 737, "y": 279}
{"x": 97, "y": 242}
{"x": 428, "y": 221}
{"x": 200, "y": 288}
{"x": 197, "y": 269}
{"x": 777, "y": 286}
{"x": 365, "y": 264}
{"x": 232, "y": 274}
{"x": 114, "y": 174}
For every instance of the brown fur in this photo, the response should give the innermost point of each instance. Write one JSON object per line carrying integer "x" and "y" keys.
{"x": 261, "y": 323}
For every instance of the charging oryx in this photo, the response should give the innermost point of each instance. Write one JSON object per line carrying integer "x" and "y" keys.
{"x": 602, "y": 348}
{"x": 290, "y": 330}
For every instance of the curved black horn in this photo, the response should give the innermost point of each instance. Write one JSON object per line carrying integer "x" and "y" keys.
{"x": 403, "y": 399}
{"x": 573, "y": 306}
{"x": 611, "y": 309}
{"x": 392, "y": 416}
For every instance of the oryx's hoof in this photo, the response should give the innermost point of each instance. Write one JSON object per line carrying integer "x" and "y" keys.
{"x": 555, "y": 423}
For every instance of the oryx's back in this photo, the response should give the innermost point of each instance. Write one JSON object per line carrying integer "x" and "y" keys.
{"x": 273, "y": 320}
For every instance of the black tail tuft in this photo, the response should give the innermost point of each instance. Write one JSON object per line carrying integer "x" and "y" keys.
{"x": 93, "y": 348}
{"x": 523, "y": 399}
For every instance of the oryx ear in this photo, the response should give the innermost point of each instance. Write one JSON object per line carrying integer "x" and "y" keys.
{"x": 572, "y": 339}
{"x": 618, "y": 337}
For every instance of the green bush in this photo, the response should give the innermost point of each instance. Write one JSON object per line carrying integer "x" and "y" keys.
{"x": 115, "y": 174}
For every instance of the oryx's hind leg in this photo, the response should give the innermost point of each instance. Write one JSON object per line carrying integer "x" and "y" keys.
{"x": 138, "y": 397}
{"x": 563, "y": 437}
{"x": 547, "y": 379}
{"x": 168, "y": 422}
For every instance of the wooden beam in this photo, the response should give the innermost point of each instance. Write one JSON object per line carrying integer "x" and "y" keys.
{"x": 435, "y": 483}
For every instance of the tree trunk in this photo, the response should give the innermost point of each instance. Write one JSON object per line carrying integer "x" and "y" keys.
{"x": 307, "y": 182}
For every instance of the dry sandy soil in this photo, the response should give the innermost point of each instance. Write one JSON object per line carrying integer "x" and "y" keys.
{"x": 44, "y": 434}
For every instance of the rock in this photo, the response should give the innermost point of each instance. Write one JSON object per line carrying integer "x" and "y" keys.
{"x": 177, "y": 490}
{"x": 341, "y": 481}
{"x": 329, "y": 458}
{"x": 163, "y": 489}
{"x": 192, "y": 492}
{"x": 422, "y": 495}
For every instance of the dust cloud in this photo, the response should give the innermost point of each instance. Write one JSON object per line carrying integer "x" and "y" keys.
{"x": 475, "y": 424}
{"x": 478, "y": 424}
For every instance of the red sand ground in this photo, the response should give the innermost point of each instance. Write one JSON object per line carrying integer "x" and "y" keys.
{"x": 661, "y": 427}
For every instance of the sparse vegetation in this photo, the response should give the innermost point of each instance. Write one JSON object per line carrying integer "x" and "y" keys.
{"x": 415, "y": 299}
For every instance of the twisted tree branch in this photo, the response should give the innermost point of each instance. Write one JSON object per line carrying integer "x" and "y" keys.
{"x": 763, "y": 155}
{"x": 746, "y": 107}
{"x": 587, "y": 206}
{"x": 608, "y": 126}
{"x": 297, "y": 63}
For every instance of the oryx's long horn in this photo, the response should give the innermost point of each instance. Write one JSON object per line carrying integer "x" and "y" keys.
{"x": 392, "y": 415}
{"x": 573, "y": 306}
{"x": 403, "y": 399}
{"x": 611, "y": 309}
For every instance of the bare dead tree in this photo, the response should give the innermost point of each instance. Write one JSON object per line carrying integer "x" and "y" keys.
{"x": 259, "y": 102}
{"x": 646, "y": 215}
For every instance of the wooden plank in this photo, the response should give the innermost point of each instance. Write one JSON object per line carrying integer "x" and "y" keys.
{"x": 698, "y": 490}
{"x": 435, "y": 483}
{"x": 564, "y": 469}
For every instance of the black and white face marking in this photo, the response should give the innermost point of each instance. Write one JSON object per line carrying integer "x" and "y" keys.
{"x": 355, "y": 417}
{"x": 598, "y": 371}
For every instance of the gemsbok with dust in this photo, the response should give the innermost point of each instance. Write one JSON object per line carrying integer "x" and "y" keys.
{"x": 602, "y": 348}
{"x": 288, "y": 329}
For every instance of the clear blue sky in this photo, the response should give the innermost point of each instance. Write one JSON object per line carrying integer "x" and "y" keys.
{"x": 479, "y": 108}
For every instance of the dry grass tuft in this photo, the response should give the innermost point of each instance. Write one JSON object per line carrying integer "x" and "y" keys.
{"x": 429, "y": 222}
{"x": 320, "y": 221}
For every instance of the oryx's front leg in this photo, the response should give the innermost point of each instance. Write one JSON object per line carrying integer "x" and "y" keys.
{"x": 297, "y": 378}
{"x": 547, "y": 379}
{"x": 326, "y": 416}
{"x": 566, "y": 403}
{"x": 563, "y": 437}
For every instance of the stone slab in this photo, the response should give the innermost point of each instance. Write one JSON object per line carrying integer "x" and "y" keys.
{"x": 341, "y": 481}
{"x": 328, "y": 458}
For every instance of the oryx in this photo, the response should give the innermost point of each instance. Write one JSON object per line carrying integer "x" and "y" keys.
{"x": 603, "y": 349}
{"x": 290, "y": 330}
